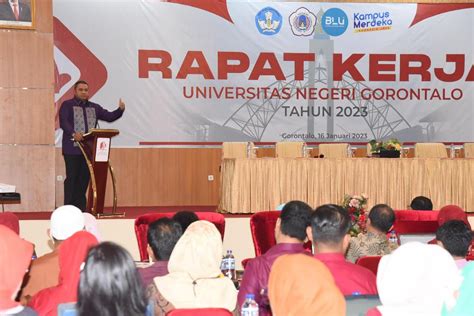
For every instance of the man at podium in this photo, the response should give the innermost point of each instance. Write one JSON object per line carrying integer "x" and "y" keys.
{"x": 76, "y": 117}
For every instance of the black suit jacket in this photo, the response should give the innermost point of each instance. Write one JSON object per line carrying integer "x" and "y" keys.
{"x": 6, "y": 12}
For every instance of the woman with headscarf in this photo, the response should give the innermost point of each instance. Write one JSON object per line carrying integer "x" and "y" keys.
{"x": 72, "y": 253}
{"x": 11, "y": 221}
{"x": 15, "y": 257}
{"x": 448, "y": 213}
{"x": 195, "y": 279}
{"x": 465, "y": 298}
{"x": 301, "y": 285}
{"x": 415, "y": 280}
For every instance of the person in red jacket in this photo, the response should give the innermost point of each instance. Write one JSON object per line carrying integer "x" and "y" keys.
{"x": 329, "y": 232}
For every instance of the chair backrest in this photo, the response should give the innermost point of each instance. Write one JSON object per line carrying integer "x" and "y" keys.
{"x": 358, "y": 305}
{"x": 369, "y": 262}
{"x": 289, "y": 149}
{"x": 415, "y": 222}
{"x": 236, "y": 149}
{"x": 67, "y": 309}
{"x": 262, "y": 227}
{"x": 333, "y": 150}
{"x": 469, "y": 150}
{"x": 430, "y": 150}
{"x": 199, "y": 312}
{"x": 142, "y": 222}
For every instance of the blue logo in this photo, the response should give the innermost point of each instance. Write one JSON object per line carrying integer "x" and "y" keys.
{"x": 334, "y": 22}
{"x": 268, "y": 21}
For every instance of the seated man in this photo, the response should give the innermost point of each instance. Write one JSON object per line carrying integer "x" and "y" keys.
{"x": 456, "y": 237}
{"x": 421, "y": 203}
{"x": 162, "y": 236}
{"x": 329, "y": 232}
{"x": 290, "y": 234}
{"x": 44, "y": 271}
{"x": 374, "y": 242}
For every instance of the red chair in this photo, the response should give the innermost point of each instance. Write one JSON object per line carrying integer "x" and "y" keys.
{"x": 416, "y": 222}
{"x": 142, "y": 222}
{"x": 370, "y": 262}
{"x": 262, "y": 227}
{"x": 199, "y": 312}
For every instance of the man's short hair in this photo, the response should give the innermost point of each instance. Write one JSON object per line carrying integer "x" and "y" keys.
{"x": 162, "y": 236}
{"x": 185, "y": 218}
{"x": 294, "y": 219}
{"x": 382, "y": 217}
{"x": 421, "y": 203}
{"x": 330, "y": 223}
{"x": 79, "y": 82}
{"x": 456, "y": 237}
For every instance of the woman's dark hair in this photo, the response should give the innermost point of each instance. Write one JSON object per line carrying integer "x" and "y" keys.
{"x": 185, "y": 218}
{"x": 110, "y": 284}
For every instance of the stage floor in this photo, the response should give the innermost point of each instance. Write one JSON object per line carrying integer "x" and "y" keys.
{"x": 34, "y": 228}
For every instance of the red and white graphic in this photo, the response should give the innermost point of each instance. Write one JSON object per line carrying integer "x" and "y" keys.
{"x": 74, "y": 57}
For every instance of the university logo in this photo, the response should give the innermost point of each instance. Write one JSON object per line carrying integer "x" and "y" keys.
{"x": 268, "y": 21}
{"x": 302, "y": 22}
{"x": 334, "y": 22}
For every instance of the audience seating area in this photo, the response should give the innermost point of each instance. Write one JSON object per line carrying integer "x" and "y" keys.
{"x": 142, "y": 222}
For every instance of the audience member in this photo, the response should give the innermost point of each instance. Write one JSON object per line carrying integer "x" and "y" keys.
{"x": 416, "y": 279}
{"x": 15, "y": 257}
{"x": 162, "y": 235}
{"x": 456, "y": 238}
{"x": 374, "y": 242}
{"x": 185, "y": 218}
{"x": 44, "y": 271}
{"x": 421, "y": 203}
{"x": 329, "y": 230}
{"x": 195, "y": 279}
{"x": 290, "y": 234}
{"x": 72, "y": 254}
{"x": 11, "y": 221}
{"x": 110, "y": 284}
{"x": 465, "y": 297}
{"x": 91, "y": 226}
{"x": 300, "y": 285}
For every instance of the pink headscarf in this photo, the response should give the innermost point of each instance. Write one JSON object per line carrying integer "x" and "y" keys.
{"x": 11, "y": 221}
{"x": 15, "y": 257}
{"x": 72, "y": 253}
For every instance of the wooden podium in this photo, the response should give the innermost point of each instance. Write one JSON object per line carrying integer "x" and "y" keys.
{"x": 96, "y": 150}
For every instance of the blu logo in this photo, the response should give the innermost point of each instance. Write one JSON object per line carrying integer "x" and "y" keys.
{"x": 335, "y": 22}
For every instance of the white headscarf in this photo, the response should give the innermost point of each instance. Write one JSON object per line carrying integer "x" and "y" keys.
{"x": 66, "y": 220}
{"x": 416, "y": 279}
{"x": 91, "y": 225}
{"x": 195, "y": 279}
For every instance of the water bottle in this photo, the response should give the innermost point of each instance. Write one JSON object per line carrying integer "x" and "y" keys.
{"x": 249, "y": 307}
{"x": 393, "y": 237}
{"x": 303, "y": 150}
{"x": 249, "y": 149}
{"x": 452, "y": 151}
{"x": 228, "y": 266}
{"x": 349, "y": 151}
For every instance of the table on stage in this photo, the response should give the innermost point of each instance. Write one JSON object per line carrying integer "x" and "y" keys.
{"x": 258, "y": 184}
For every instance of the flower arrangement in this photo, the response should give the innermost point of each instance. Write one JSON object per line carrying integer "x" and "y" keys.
{"x": 356, "y": 205}
{"x": 390, "y": 148}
